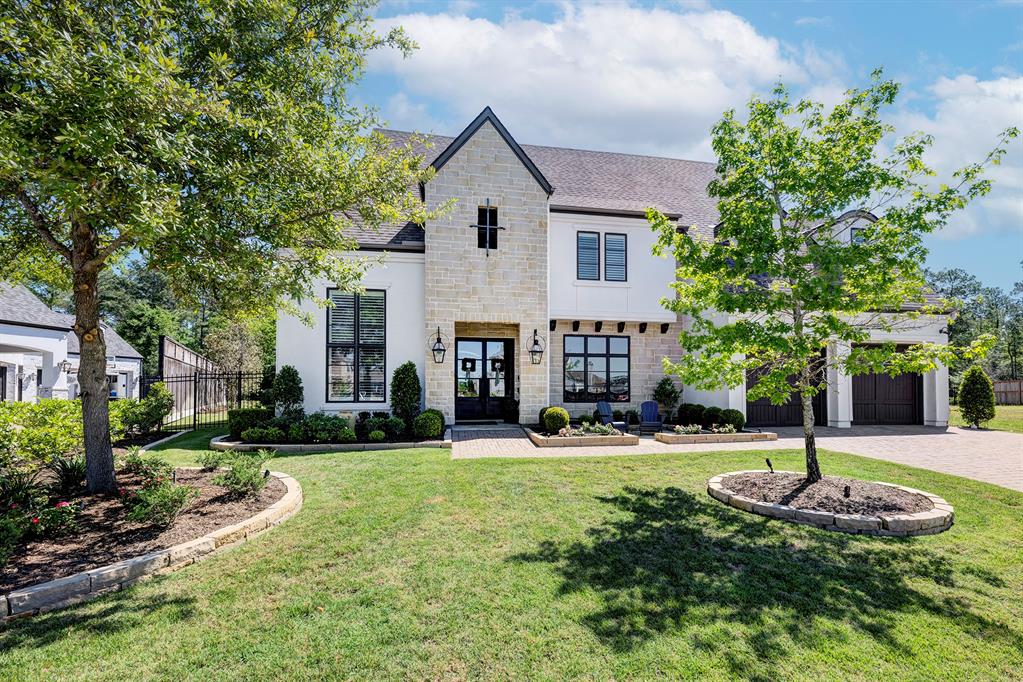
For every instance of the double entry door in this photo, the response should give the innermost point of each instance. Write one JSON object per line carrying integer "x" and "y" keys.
{"x": 484, "y": 378}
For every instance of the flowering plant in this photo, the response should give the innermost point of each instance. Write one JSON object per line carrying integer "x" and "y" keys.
{"x": 688, "y": 430}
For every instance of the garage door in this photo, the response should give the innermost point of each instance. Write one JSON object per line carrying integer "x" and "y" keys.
{"x": 881, "y": 399}
{"x": 761, "y": 413}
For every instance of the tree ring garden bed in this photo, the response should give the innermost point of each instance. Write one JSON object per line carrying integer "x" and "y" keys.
{"x": 872, "y": 508}
{"x": 691, "y": 438}
{"x": 542, "y": 441}
{"x": 107, "y": 552}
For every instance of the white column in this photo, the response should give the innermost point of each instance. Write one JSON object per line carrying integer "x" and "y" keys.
{"x": 737, "y": 398}
{"x": 839, "y": 389}
{"x": 54, "y": 380}
{"x": 936, "y": 397}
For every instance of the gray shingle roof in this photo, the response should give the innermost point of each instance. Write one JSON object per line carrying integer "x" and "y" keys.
{"x": 588, "y": 181}
{"x": 20, "y": 306}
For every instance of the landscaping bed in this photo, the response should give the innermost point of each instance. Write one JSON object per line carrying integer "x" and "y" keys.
{"x": 588, "y": 440}
{"x": 708, "y": 437}
{"x": 834, "y": 503}
{"x": 104, "y": 535}
{"x": 226, "y": 443}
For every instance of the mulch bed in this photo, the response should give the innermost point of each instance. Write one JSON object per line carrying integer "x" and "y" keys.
{"x": 104, "y": 536}
{"x": 827, "y": 495}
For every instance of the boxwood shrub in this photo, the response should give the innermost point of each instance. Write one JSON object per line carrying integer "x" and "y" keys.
{"x": 691, "y": 413}
{"x": 555, "y": 419}
{"x": 429, "y": 424}
{"x": 711, "y": 416}
{"x": 242, "y": 419}
{"x": 733, "y": 417}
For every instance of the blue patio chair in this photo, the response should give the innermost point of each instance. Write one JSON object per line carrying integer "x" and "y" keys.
{"x": 649, "y": 419}
{"x": 607, "y": 416}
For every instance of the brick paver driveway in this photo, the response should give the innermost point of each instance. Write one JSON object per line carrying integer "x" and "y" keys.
{"x": 991, "y": 456}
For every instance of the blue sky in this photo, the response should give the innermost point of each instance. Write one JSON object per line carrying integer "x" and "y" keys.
{"x": 652, "y": 77}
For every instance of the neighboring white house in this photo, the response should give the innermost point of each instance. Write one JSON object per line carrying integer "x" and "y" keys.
{"x": 545, "y": 249}
{"x": 39, "y": 353}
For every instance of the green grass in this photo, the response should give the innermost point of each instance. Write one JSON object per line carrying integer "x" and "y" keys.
{"x": 406, "y": 564}
{"x": 1007, "y": 418}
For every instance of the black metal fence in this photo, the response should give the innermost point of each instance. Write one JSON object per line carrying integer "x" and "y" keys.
{"x": 202, "y": 399}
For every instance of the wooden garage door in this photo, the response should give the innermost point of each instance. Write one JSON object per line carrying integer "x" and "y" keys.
{"x": 881, "y": 399}
{"x": 761, "y": 413}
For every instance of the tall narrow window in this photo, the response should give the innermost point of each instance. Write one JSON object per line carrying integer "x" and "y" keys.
{"x": 486, "y": 227}
{"x": 615, "y": 257}
{"x": 355, "y": 346}
{"x": 587, "y": 255}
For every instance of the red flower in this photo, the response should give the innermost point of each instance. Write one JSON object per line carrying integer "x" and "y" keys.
{"x": 121, "y": 491}
{"x": 35, "y": 519}
{"x": 61, "y": 505}
{"x": 14, "y": 505}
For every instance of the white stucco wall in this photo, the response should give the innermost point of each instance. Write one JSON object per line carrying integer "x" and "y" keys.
{"x": 401, "y": 275}
{"x": 128, "y": 370}
{"x": 635, "y": 300}
{"x": 45, "y": 348}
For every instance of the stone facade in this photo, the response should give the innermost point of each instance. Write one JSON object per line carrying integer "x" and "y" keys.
{"x": 465, "y": 285}
{"x": 645, "y": 362}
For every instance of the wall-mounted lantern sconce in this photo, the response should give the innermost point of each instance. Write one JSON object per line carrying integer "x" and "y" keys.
{"x": 438, "y": 348}
{"x": 536, "y": 349}
{"x": 64, "y": 366}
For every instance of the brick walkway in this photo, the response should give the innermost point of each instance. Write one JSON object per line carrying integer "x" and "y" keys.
{"x": 991, "y": 456}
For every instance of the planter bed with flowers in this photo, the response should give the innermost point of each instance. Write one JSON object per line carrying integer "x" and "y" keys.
{"x": 686, "y": 436}
{"x": 85, "y": 545}
{"x": 585, "y": 435}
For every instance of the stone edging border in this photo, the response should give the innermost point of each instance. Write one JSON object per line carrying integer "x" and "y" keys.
{"x": 691, "y": 438}
{"x": 541, "y": 441}
{"x": 73, "y": 589}
{"x": 930, "y": 522}
{"x": 219, "y": 443}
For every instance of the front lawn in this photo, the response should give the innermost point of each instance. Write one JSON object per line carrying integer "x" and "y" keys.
{"x": 406, "y": 564}
{"x": 1007, "y": 418}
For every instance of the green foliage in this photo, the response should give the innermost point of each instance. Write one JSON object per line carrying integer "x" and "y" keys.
{"x": 782, "y": 278}
{"x": 976, "y": 397}
{"x": 691, "y": 413}
{"x": 212, "y": 459}
{"x": 321, "y": 428}
{"x": 429, "y": 424}
{"x": 68, "y": 473}
{"x": 258, "y": 434}
{"x": 724, "y": 428}
{"x": 146, "y": 415}
{"x": 688, "y": 429}
{"x": 733, "y": 417}
{"x": 555, "y": 419}
{"x": 20, "y": 487}
{"x": 667, "y": 395}
{"x": 405, "y": 391}
{"x": 141, "y": 325}
{"x": 159, "y": 502}
{"x": 543, "y": 411}
{"x": 244, "y": 476}
{"x": 148, "y": 466}
{"x": 376, "y": 436}
{"x": 711, "y": 416}
{"x": 587, "y": 429}
{"x": 287, "y": 390}
{"x": 632, "y": 416}
{"x": 36, "y": 432}
{"x": 244, "y": 418}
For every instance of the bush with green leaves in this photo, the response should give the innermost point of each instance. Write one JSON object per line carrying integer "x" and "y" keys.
{"x": 711, "y": 416}
{"x": 33, "y": 433}
{"x": 148, "y": 466}
{"x": 733, "y": 417}
{"x": 159, "y": 502}
{"x": 723, "y": 428}
{"x": 243, "y": 418}
{"x": 270, "y": 435}
{"x": 976, "y": 396}
{"x": 287, "y": 390}
{"x": 691, "y": 413}
{"x": 405, "y": 392}
{"x": 212, "y": 459}
{"x": 632, "y": 417}
{"x": 555, "y": 419}
{"x": 146, "y": 415}
{"x": 68, "y": 473}
{"x": 20, "y": 487}
{"x": 666, "y": 394}
{"x": 429, "y": 424}
{"x": 376, "y": 436}
{"x": 688, "y": 429}
{"x": 245, "y": 475}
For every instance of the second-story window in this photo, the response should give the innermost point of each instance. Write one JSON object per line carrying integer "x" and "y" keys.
{"x": 486, "y": 228}
{"x": 856, "y": 235}
{"x": 615, "y": 258}
{"x": 587, "y": 255}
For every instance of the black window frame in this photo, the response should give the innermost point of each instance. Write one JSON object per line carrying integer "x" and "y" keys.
{"x": 856, "y": 236}
{"x": 585, "y": 355}
{"x": 355, "y": 345}
{"x": 578, "y": 274}
{"x": 490, "y": 229}
{"x": 625, "y": 256}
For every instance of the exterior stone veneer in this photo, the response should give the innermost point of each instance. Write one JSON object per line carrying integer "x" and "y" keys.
{"x": 646, "y": 351}
{"x": 73, "y": 589}
{"x": 930, "y": 522}
{"x": 467, "y": 286}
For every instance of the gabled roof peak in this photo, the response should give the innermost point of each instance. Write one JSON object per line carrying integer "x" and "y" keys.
{"x": 488, "y": 115}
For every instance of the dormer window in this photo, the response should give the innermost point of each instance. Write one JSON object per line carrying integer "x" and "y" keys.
{"x": 486, "y": 227}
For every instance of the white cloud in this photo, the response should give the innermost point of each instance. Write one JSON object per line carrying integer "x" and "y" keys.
{"x": 968, "y": 116}
{"x": 813, "y": 21}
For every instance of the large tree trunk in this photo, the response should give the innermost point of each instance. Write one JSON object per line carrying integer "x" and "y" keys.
{"x": 813, "y": 469}
{"x": 92, "y": 370}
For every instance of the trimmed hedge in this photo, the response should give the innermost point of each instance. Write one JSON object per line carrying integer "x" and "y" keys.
{"x": 691, "y": 413}
{"x": 733, "y": 417}
{"x": 429, "y": 424}
{"x": 555, "y": 419}
{"x": 711, "y": 416}
{"x": 244, "y": 418}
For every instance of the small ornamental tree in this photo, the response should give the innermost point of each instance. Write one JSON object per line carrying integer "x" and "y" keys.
{"x": 783, "y": 266}
{"x": 976, "y": 396}
{"x": 215, "y": 142}
{"x": 405, "y": 392}
{"x": 666, "y": 394}
{"x": 287, "y": 391}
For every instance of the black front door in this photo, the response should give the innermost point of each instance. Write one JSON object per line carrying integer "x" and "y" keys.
{"x": 484, "y": 377}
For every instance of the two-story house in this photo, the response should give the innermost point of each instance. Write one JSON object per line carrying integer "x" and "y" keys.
{"x": 539, "y": 288}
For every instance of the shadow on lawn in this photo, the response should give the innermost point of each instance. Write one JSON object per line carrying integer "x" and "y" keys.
{"x": 118, "y": 611}
{"x": 678, "y": 561}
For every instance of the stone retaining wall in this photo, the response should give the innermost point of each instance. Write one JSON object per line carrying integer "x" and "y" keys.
{"x": 90, "y": 584}
{"x": 930, "y": 522}
{"x": 542, "y": 441}
{"x": 691, "y": 438}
